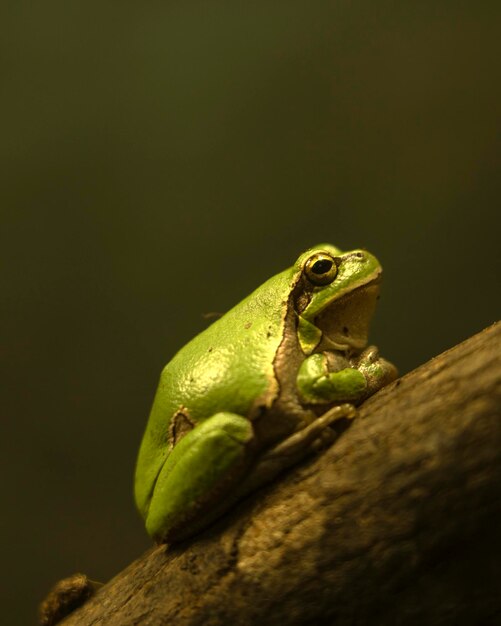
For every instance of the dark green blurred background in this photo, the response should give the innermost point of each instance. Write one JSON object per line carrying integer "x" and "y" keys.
{"x": 159, "y": 160}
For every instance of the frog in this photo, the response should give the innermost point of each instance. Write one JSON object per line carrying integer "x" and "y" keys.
{"x": 264, "y": 386}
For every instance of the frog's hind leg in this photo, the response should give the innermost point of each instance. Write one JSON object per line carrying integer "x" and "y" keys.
{"x": 202, "y": 467}
{"x": 296, "y": 447}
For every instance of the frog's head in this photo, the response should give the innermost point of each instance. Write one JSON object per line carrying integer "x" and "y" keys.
{"x": 336, "y": 298}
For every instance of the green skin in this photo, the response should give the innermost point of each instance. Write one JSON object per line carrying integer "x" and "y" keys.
{"x": 258, "y": 390}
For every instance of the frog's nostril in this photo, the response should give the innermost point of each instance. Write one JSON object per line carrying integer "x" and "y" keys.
{"x": 359, "y": 255}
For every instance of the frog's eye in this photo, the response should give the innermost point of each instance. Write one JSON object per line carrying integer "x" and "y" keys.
{"x": 320, "y": 268}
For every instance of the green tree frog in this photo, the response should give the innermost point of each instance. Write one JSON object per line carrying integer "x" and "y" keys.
{"x": 259, "y": 389}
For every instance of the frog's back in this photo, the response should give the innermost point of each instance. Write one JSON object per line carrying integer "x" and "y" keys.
{"x": 227, "y": 367}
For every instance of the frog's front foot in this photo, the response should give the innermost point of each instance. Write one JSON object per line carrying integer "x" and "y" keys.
{"x": 378, "y": 372}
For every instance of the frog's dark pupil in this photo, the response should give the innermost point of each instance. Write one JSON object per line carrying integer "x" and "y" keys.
{"x": 321, "y": 266}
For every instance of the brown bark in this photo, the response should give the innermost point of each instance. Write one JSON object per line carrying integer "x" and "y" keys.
{"x": 398, "y": 522}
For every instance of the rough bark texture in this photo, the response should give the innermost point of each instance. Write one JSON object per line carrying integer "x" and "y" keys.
{"x": 397, "y": 523}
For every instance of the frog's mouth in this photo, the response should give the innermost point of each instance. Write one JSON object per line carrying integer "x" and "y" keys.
{"x": 345, "y": 322}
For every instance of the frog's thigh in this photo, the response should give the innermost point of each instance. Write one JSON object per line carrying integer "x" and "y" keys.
{"x": 214, "y": 452}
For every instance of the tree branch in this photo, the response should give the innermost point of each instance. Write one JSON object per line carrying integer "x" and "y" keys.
{"x": 396, "y": 523}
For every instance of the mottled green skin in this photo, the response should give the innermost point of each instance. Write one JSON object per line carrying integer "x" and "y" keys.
{"x": 232, "y": 391}
{"x": 224, "y": 368}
